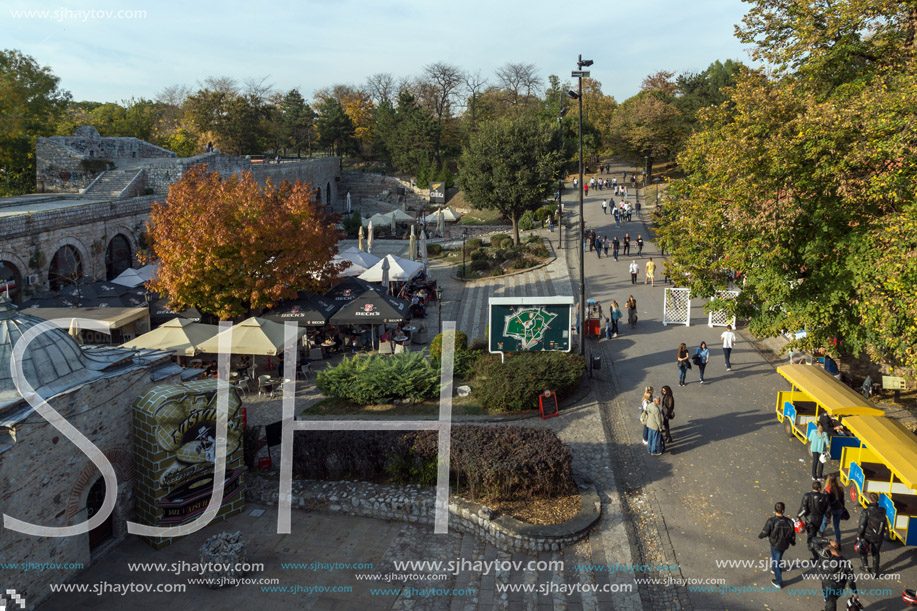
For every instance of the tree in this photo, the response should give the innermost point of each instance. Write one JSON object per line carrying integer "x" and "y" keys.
{"x": 259, "y": 244}
{"x": 31, "y": 105}
{"x": 359, "y": 107}
{"x": 520, "y": 80}
{"x": 648, "y": 124}
{"x": 510, "y": 165}
{"x": 298, "y": 122}
{"x": 381, "y": 88}
{"x": 474, "y": 84}
{"x": 335, "y": 128}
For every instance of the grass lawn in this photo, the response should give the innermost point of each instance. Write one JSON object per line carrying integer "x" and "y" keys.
{"x": 482, "y": 217}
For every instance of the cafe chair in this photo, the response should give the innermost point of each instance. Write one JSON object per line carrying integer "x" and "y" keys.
{"x": 241, "y": 386}
{"x": 306, "y": 371}
{"x": 265, "y": 386}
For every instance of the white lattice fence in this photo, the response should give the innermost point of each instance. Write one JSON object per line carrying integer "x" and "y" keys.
{"x": 677, "y": 307}
{"x": 721, "y": 317}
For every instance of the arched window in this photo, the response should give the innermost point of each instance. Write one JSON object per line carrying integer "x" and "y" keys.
{"x": 105, "y": 531}
{"x": 117, "y": 257}
{"x": 66, "y": 267}
{"x": 10, "y": 281}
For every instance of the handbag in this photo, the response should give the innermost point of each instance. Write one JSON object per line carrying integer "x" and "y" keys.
{"x": 696, "y": 359}
{"x": 644, "y": 417}
{"x": 845, "y": 515}
{"x": 823, "y": 458}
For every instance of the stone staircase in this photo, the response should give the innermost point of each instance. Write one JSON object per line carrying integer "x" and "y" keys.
{"x": 112, "y": 183}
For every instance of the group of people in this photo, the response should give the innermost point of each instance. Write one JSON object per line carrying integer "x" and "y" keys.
{"x": 835, "y": 571}
{"x": 615, "y": 315}
{"x": 655, "y": 414}
{"x": 701, "y": 356}
{"x": 622, "y": 212}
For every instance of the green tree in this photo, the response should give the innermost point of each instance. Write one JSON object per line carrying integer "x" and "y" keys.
{"x": 298, "y": 122}
{"x": 510, "y": 165}
{"x": 335, "y": 129}
{"x": 31, "y": 105}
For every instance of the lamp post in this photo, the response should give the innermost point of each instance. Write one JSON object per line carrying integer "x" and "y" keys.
{"x": 464, "y": 235}
{"x": 439, "y": 307}
{"x": 560, "y": 182}
{"x": 579, "y": 74}
{"x": 657, "y": 180}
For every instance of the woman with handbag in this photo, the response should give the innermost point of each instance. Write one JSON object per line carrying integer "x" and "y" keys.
{"x": 700, "y": 359}
{"x": 837, "y": 508}
{"x": 654, "y": 424}
{"x": 645, "y": 403}
{"x": 818, "y": 445}
{"x": 668, "y": 410}
{"x": 684, "y": 364}
{"x": 631, "y": 306}
{"x": 616, "y": 315}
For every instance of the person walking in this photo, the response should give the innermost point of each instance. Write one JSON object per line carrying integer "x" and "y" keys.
{"x": 634, "y": 270}
{"x": 668, "y": 409}
{"x": 586, "y": 189}
{"x": 812, "y": 510}
{"x": 778, "y": 530}
{"x": 631, "y": 306}
{"x": 818, "y": 443}
{"x": 615, "y": 246}
{"x": 836, "y": 507}
{"x": 652, "y": 421}
{"x": 681, "y": 359}
{"x": 729, "y": 340}
{"x": 617, "y": 215}
{"x": 872, "y": 528}
{"x": 575, "y": 180}
{"x": 650, "y": 273}
{"x": 615, "y": 317}
{"x": 604, "y": 206}
{"x": 598, "y": 247}
{"x": 605, "y": 246}
{"x": 836, "y": 576}
{"x": 626, "y": 244}
{"x": 640, "y": 244}
{"x": 608, "y": 328}
{"x": 645, "y": 402}
{"x": 700, "y": 359}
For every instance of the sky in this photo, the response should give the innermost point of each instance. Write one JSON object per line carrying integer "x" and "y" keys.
{"x": 110, "y": 51}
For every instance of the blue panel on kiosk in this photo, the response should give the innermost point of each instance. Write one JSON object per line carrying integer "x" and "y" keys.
{"x": 838, "y": 443}
{"x": 811, "y": 426}
{"x": 891, "y": 512}
{"x": 856, "y": 475}
{"x": 789, "y": 411}
{"x": 911, "y": 531}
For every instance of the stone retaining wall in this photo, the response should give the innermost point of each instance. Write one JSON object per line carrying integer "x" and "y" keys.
{"x": 416, "y": 505}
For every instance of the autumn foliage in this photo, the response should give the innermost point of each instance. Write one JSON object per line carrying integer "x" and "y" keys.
{"x": 228, "y": 245}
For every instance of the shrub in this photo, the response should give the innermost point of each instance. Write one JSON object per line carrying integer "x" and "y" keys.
{"x": 436, "y": 346}
{"x": 480, "y": 265}
{"x": 380, "y": 379}
{"x": 473, "y": 244}
{"x": 463, "y": 365}
{"x": 498, "y": 240}
{"x": 497, "y": 271}
{"x": 521, "y": 263}
{"x": 527, "y": 221}
{"x": 478, "y": 344}
{"x": 538, "y": 250}
{"x": 361, "y": 455}
{"x": 352, "y": 223}
{"x": 543, "y": 213}
{"x": 516, "y": 384}
{"x": 434, "y": 249}
{"x": 533, "y": 239}
{"x": 479, "y": 255}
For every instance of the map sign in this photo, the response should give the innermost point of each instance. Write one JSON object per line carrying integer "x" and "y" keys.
{"x": 529, "y": 323}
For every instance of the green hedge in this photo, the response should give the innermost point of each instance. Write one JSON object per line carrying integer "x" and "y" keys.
{"x": 434, "y": 249}
{"x": 492, "y": 462}
{"x": 436, "y": 346}
{"x": 380, "y": 379}
{"x": 516, "y": 384}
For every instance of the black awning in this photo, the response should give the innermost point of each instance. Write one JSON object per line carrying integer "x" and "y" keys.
{"x": 308, "y": 310}
{"x": 350, "y": 288}
{"x": 371, "y": 308}
{"x": 161, "y": 314}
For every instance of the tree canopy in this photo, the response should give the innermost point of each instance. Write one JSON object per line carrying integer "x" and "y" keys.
{"x": 226, "y": 245}
{"x": 510, "y": 165}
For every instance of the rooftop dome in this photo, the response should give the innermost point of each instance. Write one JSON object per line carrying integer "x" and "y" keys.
{"x": 52, "y": 363}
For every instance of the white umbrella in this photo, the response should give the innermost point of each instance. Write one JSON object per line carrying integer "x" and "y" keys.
{"x": 448, "y": 213}
{"x": 355, "y": 268}
{"x": 179, "y": 334}
{"x": 423, "y": 249}
{"x": 401, "y": 217}
{"x": 385, "y": 267}
{"x": 359, "y": 257}
{"x": 394, "y": 228}
{"x": 369, "y": 239}
{"x": 360, "y": 238}
{"x": 377, "y": 219}
{"x": 147, "y": 272}
{"x": 441, "y": 224}
{"x": 75, "y": 331}
{"x": 252, "y": 336}
{"x": 348, "y": 202}
{"x": 400, "y": 269}
{"x": 412, "y": 252}
{"x": 130, "y": 277}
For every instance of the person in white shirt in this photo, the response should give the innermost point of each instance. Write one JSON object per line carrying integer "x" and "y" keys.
{"x": 634, "y": 270}
{"x": 729, "y": 340}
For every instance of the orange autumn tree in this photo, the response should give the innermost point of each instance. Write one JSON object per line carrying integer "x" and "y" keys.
{"x": 226, "y": 246}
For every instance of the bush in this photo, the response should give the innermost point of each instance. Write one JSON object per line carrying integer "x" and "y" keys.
{"x": 543, "y": 213}
{"x": 479, "y": 255}
{"x": 534, "y": 239}
{"x": 434, "y": 250}
{"x": 463, "y": 365}
{"x": 516, "y": 384}
{"x": 527, "y": 221}
{"x": 352, "y": 223}
{"x": 473, "y": 244}
{"x": 436, "y": 346}
{"x": 522, "y": 263}
{"x": 380, "y": 379}
{"x": 480, "y": 265}
{"x": 498, "y": 240}
{"x": 497, "y": 271}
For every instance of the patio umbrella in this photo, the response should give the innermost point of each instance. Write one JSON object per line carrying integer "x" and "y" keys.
{"x": 369, "y": 239}
{"x": 254, "y": 336}
{"x": 401, "y": 216}
{"x": 130, "y": 277}
{"x": 360, "y": 238}
{"x": 355, "y": 268}
{"x": 385, "y": 267}
{"x": 423, "y": 249}
{"x": 400, "y": 270}
{"x": 394, "y": 227}
{"x": 75, "y": 331}
{"x": 348, "y": 202}
{"x": 359, "y": 257}
{"x": 413, "y": 245}
{"x": 307, "y": 310}
{"x": 179, "y": 334}
{"x": 441, "y": 224}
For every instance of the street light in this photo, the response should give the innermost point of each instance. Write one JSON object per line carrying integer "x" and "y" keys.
{"x": 439, "y": 307}
{"x": 579, "y": 74}
{"x": 560, "y": 181}
{"x": 464, "y": 235}
{"x": 657, "y": 180}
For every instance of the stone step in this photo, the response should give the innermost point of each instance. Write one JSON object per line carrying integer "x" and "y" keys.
{"x": 112, "y": 183}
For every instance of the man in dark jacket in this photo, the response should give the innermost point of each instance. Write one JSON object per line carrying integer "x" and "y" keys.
{"x": 779, "y": 531}
{"x": 837, "y": 575}
{"x": 812, "y": 510}
{"x": 873, "y": 528}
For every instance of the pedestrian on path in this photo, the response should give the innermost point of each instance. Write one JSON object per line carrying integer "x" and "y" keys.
{"x": 617, "y": 214}
{"x": 812, "y": 510}
{"x": 631, "y": 306}
{"x": 837, "y": 506}
{"x": 604, "y": 206}
{"x": 668, "y": 410}
{"x": 586, "y": 189}
{"x": 818, "y": 443}
{"x": 640, "y": 245}
{"x": 615, "y": 245}
{"x": 598, "y": 247}
{"x": 644, "y": 405}
{"x": 650, "y": 273}
{"x": 778, "y": 530}
{"x": 575, "y": 182}
{"x": 700, "y": 359}
{"x": 605, "y": 245}
{"x": 654, "y": 425}
{"x": 836, "y": 576}
{"x": 872, "y": 528}
{"x": 729, "y": 340}
{"x": 681, "y": 359}
{"x": 634, "y": 270}
{"x": 615, "y": 317}
{"x": 626, "y": 244}
{"x": 608, "y": 328}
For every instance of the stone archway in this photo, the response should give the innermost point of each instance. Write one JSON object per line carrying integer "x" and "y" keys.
{"x": 123, "y": 462}
{"x": 10, "y": 280}
{"x": 118, "y": 256}
{"x": 88, "y": 263}
{"x": 66, "y": 267}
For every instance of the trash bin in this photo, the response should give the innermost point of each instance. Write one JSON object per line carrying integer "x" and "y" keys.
{"x": 596, "y": 362}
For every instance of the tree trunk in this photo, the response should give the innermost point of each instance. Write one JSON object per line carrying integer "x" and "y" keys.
{"x": 515, "y": 229}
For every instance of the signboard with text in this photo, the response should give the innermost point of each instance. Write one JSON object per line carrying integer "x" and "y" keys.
{"x": 437, "y": 193}
{"x": 518, "y": 324}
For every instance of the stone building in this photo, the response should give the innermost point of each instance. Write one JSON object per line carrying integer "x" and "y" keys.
{"x": 44, "y": 478}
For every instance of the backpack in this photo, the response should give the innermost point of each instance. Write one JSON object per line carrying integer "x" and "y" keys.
{"x": 875, "y": 524}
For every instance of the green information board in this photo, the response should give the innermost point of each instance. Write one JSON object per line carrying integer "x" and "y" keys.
{"x": 529, "y": 323}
